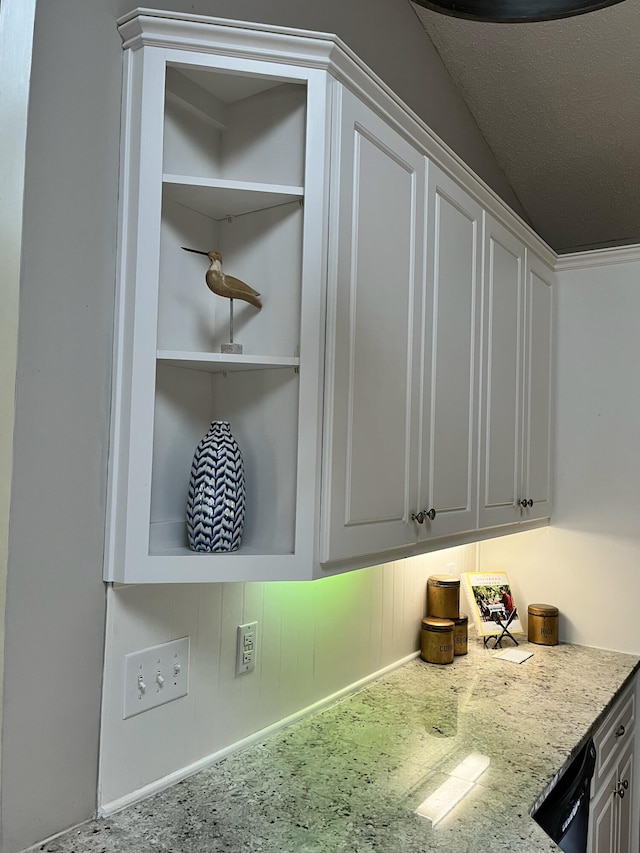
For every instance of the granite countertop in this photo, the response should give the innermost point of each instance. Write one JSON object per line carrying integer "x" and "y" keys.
{"x": 349, "y": 778}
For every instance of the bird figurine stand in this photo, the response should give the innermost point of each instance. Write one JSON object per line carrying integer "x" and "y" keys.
{"x": 229, "y": 287}
{"x": 231, "y": 347}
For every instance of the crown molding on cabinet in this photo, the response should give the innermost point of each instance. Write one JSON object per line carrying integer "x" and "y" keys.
{"x": 324, "y": 51}
{"x": 598, "y": 258}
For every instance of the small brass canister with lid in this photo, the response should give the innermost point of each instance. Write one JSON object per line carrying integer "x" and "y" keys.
{"x": 543, "y": 624}
{"x": 443, "y": 596}
{"x": 436, "y": 640}
{"x": 461, "y": 635}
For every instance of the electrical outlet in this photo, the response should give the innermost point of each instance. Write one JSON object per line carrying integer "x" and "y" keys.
{"x": 155, "y": 676}
{"x": 247, "y": 647}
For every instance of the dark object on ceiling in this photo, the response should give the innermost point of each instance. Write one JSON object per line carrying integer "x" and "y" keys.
{"x": 514, "y": 11}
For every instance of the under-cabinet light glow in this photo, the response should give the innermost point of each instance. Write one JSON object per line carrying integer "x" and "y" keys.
{"x": 472, "y": 767}
{"x": 455, "y": 788}
{"x": 444, "y": 799}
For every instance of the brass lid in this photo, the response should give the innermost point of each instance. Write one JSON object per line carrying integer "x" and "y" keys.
{"x": 432, "y": 623}
{"x": 461, "y": 620}
{"x": 443, "y": 580}
{"x": 542, "y": 610}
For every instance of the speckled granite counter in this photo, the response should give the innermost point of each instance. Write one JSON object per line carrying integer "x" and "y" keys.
{"x": 348, "y": 779}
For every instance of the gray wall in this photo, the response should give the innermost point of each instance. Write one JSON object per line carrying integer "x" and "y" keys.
{"x": 54, "y": 620}
{"x": 55, "y": 597}
{"x": 586, "y": 562}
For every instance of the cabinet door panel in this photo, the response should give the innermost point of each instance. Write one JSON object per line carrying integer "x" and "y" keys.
{"x": 625, "y": 804}
{"x": 501, "y": 427}
{"x": 602, "y": 818}
{"x": 373, "y": 298}
{"x": 537, "y": 462}
{"x": 452, "y": 330}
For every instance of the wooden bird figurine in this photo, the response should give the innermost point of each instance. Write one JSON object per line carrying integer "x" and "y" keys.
{"x": 226, "y": 285}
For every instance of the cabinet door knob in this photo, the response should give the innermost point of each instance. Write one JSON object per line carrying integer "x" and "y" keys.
{"x": 431, "y": 514}
{"x": 418, "y": 517}
{"x": 524, "y": 502}
{"x": 621, "y": 788}
{"x": 620, "y": 730}
{"x": 529, "y": 502}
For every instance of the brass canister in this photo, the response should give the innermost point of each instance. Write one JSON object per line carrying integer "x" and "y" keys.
{"x": 461, "y": 635}
{"x": 443, "y": 596}
{"x": 543, "y": 624}
{"x": 436, "y": 640}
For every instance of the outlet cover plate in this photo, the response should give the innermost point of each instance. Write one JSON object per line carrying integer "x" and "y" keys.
{"x": 155, "y": 676}
{"x": 246, "y": 647}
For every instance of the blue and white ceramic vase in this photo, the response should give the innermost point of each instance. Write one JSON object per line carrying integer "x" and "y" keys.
{"x": 216, "y": 501}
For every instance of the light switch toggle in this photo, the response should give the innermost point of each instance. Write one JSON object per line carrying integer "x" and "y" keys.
{"x": 155, "y": 675}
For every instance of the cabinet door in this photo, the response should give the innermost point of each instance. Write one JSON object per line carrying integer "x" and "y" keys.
{"x": 502, "y": 375}
{"x": 610, "y": 824}
{"x": 536, "y": 485}
{"x": 373, "y": 331}
{"x": 602, "y": 817}
{"x": 448, "y": 466}
{"x": 625, "y": 804}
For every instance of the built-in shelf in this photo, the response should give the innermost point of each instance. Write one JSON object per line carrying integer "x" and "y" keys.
{"x": 220, "y": 199}
{"x": 223, "y": 362}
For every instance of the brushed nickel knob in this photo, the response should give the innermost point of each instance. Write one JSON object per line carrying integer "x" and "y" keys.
{"x": 418, "y": 517}
{"x": 431, "y": 514}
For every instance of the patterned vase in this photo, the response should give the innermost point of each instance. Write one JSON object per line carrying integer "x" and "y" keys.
{"x": 215, "y": 506}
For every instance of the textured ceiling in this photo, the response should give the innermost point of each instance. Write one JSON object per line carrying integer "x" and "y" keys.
{"x": 559, "y": 104}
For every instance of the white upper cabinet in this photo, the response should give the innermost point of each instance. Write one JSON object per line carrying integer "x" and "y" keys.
{"x": 515, "y": 429}
{"x": 355, "y": 398}
{"x": 375, "y": 302}
{"x": 450, "y": 359}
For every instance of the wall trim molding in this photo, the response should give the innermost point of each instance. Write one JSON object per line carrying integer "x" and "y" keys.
{"x": 165, "y": 782}
{"x": 598, "y": 258}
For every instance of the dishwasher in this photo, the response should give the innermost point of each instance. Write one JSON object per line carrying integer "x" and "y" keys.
{"x": 564, "y": 812}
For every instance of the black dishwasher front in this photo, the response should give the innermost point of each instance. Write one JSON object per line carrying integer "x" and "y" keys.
{"x": 564, "y": 813}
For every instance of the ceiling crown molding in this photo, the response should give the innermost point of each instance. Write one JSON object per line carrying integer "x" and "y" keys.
{"x": 231, "y": 38}
{"x": 598, "y": 258}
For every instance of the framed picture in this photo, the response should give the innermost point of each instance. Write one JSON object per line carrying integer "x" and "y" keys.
{"x": 491, "y": 602}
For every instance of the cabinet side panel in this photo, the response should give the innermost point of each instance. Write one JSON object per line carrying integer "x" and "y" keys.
{"x": 265, "y": 134}
{"x": 539, "y": 398}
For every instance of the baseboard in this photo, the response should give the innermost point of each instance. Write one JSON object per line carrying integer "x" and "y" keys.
{"x": 107, "y": 809}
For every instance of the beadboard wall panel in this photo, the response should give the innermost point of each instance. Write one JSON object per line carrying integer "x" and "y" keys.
{"x": 314, "y": 640}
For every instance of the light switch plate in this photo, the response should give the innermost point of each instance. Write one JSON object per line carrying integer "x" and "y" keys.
{"x": 155, "y": 676}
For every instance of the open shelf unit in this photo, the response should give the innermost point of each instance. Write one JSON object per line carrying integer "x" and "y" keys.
{"x": 219, "y": 153}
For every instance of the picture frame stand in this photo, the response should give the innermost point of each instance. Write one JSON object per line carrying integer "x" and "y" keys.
{"x": 504, "y": 625}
